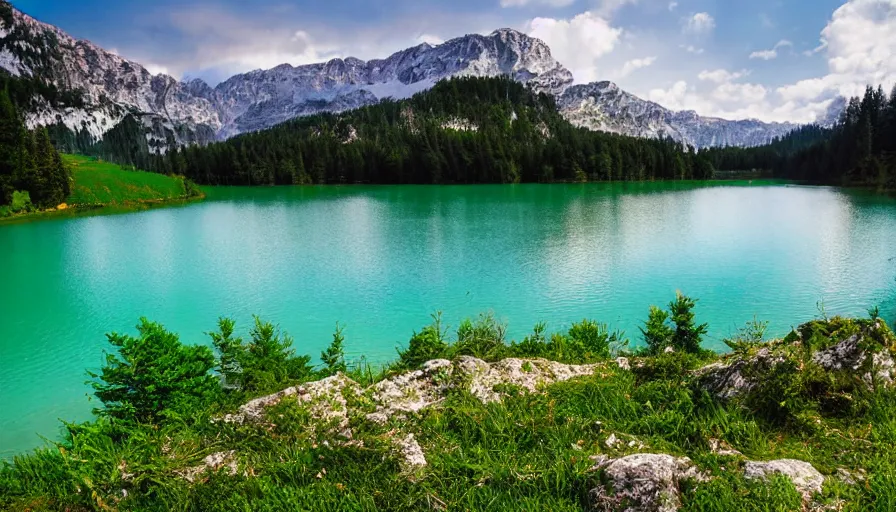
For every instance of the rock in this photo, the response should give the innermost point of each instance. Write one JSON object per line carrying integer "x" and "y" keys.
{"x": 720, "y": 447}
{"x": 851, "y": 477}
{"x": 805, "y": 477}
{"x": 643, "y": 482}
{"x": 413, "y": 391}
{"x": 325, "y": 399}
{"x": 729, "y": 379}
{"x": 412, "y": 456}
{"x": 528, "y": 374}
{"x": 213, "y": 462}
{"x": 623, "y": 363}
{"x": 669, "y": 350}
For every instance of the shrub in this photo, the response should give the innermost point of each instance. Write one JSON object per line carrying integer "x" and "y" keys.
{"x": 334, "y": 357}
{"x": 265, "y": 363}
{"x": 483, "y": 338}
{"x": 533, "y": 345}
{"x": 152, "y": 375}
{"x": 748, "y": 336}
{"x": 682, "y": 334}
{"x": 21, "y": 202}
{"x": 688, "y": 335}
{"x": 593, "y": 339}
{"x": 656, "y": 331}
{"x": 424, "y": 346}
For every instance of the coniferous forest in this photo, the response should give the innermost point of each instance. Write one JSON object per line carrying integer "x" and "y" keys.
{"x": 859, "y": 150}
{"x": 463, "y": 130}
{"x": 31, "y": 170}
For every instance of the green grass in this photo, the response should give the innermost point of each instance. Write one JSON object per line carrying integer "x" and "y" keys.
{"x": 102, "y": 183}
{"x": 529, "y": 452}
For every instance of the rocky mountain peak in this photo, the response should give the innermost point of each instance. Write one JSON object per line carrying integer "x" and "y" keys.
{"x": 111, "y": 87}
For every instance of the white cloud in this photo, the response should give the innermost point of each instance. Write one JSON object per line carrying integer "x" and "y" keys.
{"x": 577, "y": 42}
{"x": 672, "y": 6}
{"x": 700, "y": 23}
{"x": 155, "y": 69}
{"x": 430, "y": 39}
{"x": 693, "y": 49}
{"x": 635, "y": 64}
{"x": 721, "y": 76}
{"x": 521, "y": 3}
{"x": 860, "y": 45}
{"x": 773, "y": 53}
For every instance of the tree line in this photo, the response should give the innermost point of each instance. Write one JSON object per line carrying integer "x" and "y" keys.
{"x": 463, "y": 130}
{"x": 860, "y": 149}
{"x": 31, "y": 171}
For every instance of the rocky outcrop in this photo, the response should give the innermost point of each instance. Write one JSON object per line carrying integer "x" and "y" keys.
{"x": 867, "y": 353}
{"x": 733, "y": 378}
{"x": 643, "y": 482}
{"x": 110, "y": 87}
{"x": 225, "y": 461}
{"x": 604, "y": 106}
{"x": 325, "y": 399}
{"x": 807, "y": 480}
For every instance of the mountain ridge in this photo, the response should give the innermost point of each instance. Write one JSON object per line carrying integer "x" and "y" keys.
{"x": 177, "y": 112}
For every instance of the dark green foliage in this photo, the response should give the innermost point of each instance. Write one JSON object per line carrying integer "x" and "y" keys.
{"x": 531, "y": 451}
{"x": 334, "y": 356}
{"x": 859, "y": 150}
{"x": 656, "y": 331}
{"x": 675, "y": 329}
{"x": 152, "y": 375}
{"x": 519, "y": 137}
{"x": 482, "y": 338}
{"x": 426, "y": 345}
{"x": 688, "y": 335}
{"x": 28, "y": 161}
{"x": 673, "y": 366}
{"x": 747, "y": 337}
{"x": 265, "y": 364}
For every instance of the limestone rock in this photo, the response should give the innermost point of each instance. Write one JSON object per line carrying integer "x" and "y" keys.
{"x": 731, "y": 379}
{"x": 804, "y": 476}
{"x": 644, "y": 482}
{"x": 412, "y": 456}
{"x": 214, "y": 462}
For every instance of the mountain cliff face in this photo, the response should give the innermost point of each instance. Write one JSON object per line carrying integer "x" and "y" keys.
{"x": 260, "y": 99}
{"x": 104, "y": 88}
{"x": 108, "y": 87}
{"x": 604, "y": 106}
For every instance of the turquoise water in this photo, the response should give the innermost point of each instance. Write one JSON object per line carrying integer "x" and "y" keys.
{"x": 380, "y": 260}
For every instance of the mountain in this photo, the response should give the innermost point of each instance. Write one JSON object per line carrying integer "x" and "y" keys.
{"x": 107, "y": 86}
{"x": 604, "y": 106}
{"x": 93, "y": 90}
{"x": 261, "y": 99}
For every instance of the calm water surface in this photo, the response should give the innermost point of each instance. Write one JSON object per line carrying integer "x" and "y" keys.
{"x": 381, "y": 260}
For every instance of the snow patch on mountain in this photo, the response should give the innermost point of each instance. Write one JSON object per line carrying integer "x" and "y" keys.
{"x": 188, "y": 112}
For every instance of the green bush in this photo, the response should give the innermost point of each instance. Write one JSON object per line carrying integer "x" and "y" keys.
{"x": 21, "y": 202}
{"x": 424, "y": 346}
{"x": 152, "y": 375}
{"x": 675, "y": 328}
{"x": 747, "y": 337}
{"x": 483, "y": 338}
{"x": 266, "y": 363}
{"x": 334, "y": 357}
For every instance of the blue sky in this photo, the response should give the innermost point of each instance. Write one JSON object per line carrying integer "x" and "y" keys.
{"x": 770, "y": 59}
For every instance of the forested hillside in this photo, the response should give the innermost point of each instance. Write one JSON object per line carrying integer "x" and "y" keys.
{"x": 31, "y": 170}
{"x": 464, "y": 130}
{"x": 859, "y": 150}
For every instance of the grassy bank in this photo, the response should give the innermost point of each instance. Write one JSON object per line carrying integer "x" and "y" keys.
{"x": 471, "y": 434}
{"x": 98, "y": 185}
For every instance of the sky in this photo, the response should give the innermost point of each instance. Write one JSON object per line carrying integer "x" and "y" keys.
{"x": 774, "y": 60}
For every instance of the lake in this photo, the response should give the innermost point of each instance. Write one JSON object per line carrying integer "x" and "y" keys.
{"x": 381, "y": 260}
